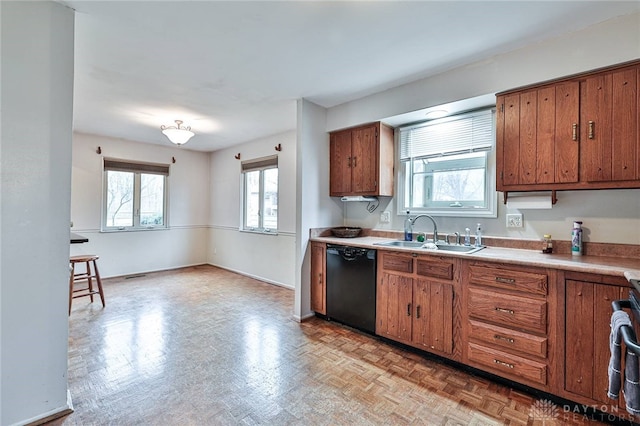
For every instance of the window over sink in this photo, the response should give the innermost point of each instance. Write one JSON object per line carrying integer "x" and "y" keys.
{"x": 447, "y": 167}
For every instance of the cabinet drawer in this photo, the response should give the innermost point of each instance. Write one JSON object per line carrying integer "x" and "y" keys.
{"x": 397, "y": 262}
{"x": 515, "y": 311}
{"x": 529, "y": 282}
{"x": 434, "y": 267}
{"x": 494, "y": 335}
{"x": 506, "y": 364}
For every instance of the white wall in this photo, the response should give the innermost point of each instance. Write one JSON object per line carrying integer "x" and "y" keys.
{"x": 130, "y": 252}
{"x": 36, "y": 123}
{"x": 608, "y": 215}
{"x": 315, "y": 209}
{"x": 268, "y": 257}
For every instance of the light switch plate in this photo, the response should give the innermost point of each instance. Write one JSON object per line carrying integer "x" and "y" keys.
{"x": 385, "y": 217}
{"x": 514, "y": 220}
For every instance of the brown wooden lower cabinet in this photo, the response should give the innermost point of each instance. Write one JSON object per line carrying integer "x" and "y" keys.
{"x": 587, "y": 329}
{"x": 509, "y": 311}
{"x": 318, "y": 278}
{"x": 544, "y": 328}
{"x": 413, "y": 308}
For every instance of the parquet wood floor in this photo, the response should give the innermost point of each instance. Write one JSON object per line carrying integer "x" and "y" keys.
{"x": 205, "y": 346}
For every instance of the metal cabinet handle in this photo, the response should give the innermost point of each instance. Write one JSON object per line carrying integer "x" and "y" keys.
{"x": 348, "y": 161}
{"x": 320, "y": 278}
{"x": 505, "y": 280}
{"x": 592, "y": 126}
{"x": 355, "y": 161}
{"x": 504, "y": 364}
{"x": 574, "y": 131}
{"x": 506, "y": 311}
{"x": 418, "y": 311}
{"x": 506, "y": 339}
{"x": 409, "y": 309}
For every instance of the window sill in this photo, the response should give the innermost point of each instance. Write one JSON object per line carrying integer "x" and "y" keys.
{"x": 114, "y": 230}
{"x": 259, "y": 231}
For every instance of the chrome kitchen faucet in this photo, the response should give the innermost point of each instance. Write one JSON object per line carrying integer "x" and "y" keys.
{"x": 435, "y": 227}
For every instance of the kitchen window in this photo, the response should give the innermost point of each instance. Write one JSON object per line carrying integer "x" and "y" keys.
{"x": 446, "y": 167}
{"x": 135, "y": 195}
{"x": 260, "y": 198}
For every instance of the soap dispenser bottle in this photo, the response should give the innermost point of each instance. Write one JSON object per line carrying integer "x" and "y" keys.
{"x": 576, "y": 239}
{"x": 479, "y": 236}
{"x": 408, "y": 228}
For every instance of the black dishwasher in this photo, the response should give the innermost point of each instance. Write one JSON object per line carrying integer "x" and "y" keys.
{"x": 351, "y": 286}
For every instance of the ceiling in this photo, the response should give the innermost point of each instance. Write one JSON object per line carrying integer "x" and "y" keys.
{"x": 233, "y": 70}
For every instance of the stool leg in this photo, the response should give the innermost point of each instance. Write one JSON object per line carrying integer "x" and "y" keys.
{"x": 89, "y": 283}
{"x": 73, "y": 271}
{"x": 99, "y": 281}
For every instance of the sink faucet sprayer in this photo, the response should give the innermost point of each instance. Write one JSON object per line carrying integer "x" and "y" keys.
{"x": 435, "y": 227}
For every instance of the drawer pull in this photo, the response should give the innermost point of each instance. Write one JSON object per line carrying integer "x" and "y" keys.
{"x": 418, "y": 311}
{"x": 591, "y": 131}
{"x": 506, "y": 339}
{"x": 506, "y": 311}
{"x": 574, "y": 131}
{"x": 409, "y": 309}
{"x": 505, "y": 280}
{"x": 502, "y": 363}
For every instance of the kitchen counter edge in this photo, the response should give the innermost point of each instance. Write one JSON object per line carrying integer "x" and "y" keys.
{"x": 602, "y": 265}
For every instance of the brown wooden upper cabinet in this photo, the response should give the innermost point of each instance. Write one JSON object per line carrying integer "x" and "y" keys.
{"x": 580, "y": 132}
{"x": 361, "y": 161}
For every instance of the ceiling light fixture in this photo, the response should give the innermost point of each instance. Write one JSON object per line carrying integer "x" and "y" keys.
{"x": 178, "y": 134}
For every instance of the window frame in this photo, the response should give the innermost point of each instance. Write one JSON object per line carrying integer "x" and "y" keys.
{"x": 491, "y": 209}
{"x": 258, "y": 165}
{"x": 138, "y": 169}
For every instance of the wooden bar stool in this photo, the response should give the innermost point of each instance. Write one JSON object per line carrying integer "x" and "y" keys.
{"x": 87, "y": 276}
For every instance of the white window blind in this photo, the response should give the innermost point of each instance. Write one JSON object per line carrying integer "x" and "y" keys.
{"x": 260, "y": 163}
{"x": 470, "y": 132}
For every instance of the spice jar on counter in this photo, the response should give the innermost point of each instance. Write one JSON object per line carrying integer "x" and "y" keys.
{"x": 547, "y": 244}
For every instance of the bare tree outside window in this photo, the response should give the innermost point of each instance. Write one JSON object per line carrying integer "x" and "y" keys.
{"x": 119, "y": 198}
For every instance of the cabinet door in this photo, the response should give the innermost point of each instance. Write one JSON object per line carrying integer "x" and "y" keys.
{"x": 394, "y": 307}
{"x": 340, "y": 163}
{"x": 433, "y": 321}
{"x": 609, "y": 123}
{"x": 625, "y": 139}
{"x": 318, "y": 286}
{"x": 587, "y": 337}
{"x": 595, "y": 128}
{"x": 528, "y": 137}
{"x": 566, "y": 147}
{"x": 537, "y": 136}
{"x": 507, "y": 139}
{"x": 364, "y": 161}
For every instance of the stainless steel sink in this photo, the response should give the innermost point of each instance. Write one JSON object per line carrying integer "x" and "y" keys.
{"x": 459, "y": 249}
{"x": 398, "y": 243}
{"x": 442, "y": 247}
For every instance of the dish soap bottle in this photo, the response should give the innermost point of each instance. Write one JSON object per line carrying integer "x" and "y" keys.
{"x": 479, "y": 236}
{"x": 408, "y": 228}
{"x": 576, "y": 239}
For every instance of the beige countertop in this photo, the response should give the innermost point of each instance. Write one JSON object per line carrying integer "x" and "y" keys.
{"x": 628, "y": 268}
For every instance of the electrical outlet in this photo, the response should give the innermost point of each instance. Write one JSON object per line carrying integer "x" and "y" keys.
{"x": 385, "y": 217}
{"x": 514, "y": 220}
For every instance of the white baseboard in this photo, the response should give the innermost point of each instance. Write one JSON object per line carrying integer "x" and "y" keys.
{"x": 50, "y": 415}
{"x": 255, "y": 277}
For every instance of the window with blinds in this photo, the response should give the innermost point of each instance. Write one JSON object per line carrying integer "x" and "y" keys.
{"x": 135, "y": 195}
{"x": 445, "y": 166}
